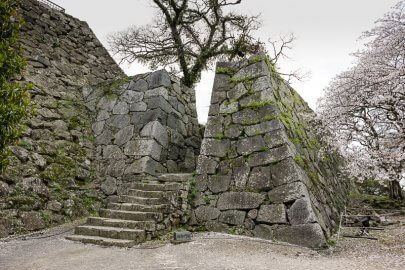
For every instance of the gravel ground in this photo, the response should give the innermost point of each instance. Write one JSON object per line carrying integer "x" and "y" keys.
{"x": 207, "y": 251}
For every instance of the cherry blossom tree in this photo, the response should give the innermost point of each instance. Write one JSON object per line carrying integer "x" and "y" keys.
{"x": 363, "y": 108}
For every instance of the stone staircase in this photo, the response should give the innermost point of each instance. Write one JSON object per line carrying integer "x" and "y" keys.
{"x": 148, "y": 208}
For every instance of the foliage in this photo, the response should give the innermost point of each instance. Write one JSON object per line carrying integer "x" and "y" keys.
{"x": 14, "y": 98}
{"x": 364, "y": 107}
{"x": 188, "y": 36}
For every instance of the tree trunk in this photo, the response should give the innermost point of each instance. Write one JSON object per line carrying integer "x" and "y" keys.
{"x": 395, "y": 190}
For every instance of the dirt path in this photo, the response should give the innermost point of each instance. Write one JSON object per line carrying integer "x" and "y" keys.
{"x": 207, "y": 251}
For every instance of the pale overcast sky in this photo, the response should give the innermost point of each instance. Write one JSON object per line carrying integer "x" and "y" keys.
{"x": 327, "y": 32}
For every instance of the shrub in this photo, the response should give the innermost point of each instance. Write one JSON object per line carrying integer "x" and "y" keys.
{"x": 14, "y": 97}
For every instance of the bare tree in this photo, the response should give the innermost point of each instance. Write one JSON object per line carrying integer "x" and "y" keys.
{"x": 187, "y": 36}
{"x": 277, "y": 52}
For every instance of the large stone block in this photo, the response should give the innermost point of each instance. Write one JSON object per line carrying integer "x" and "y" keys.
{"x": 145, "y": 165}
{"x": 270, "y": 156}
{"x": 206, "y": 213}
{"x": 159, "y": 78}
{"x": 263, "y": 127}
{"x": 245, "y": 117}
{"x": 143, "y": 147}
{"x": 239, "y": 200}
{"x": 263, "y": 231}
{"x": 156, "y": 131}
{"x": 219, "y": 183}
{"x": 260, "y": 179}
{"x": 272, "y": 214}
{"x": 249, "y": 145}
{"x": 308, "y": 235}
{"x": 285, "y": 172}
{"x": 206, "y": 165}
{"x": 288, "y": 193}
{"x": 32, "y": 221}
{"x": 301, "y": 212}
{"x": 232, "y": 217}
{"x": 216, "y": 148}
{"x": 124, "y": 135}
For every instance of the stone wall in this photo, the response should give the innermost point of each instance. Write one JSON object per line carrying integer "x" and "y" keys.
{"x": 262, "y": 172}
{"x": 146, "y": 124}
{"x": 91, "y": 127}
{"x": 51, "y": 174}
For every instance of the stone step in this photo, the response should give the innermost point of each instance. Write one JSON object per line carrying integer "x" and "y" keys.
{"x": 122, "y": 223}
{"x": 148, "y": 194}
{"x": 175, "y": 177}
{"x": 141, "y": 200}
{"x": 163, "y": 208}
{"x": 156, "y": 186}
{"x": 131, "y": 215}
{"x": 111, "y": 232}
{"x": 102, "y": 241}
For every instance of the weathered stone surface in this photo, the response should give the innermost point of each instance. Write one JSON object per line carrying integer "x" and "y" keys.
{"x": 138, "y": 85}
{"x": 270, "y": 156}
{"x": 258, "y": 69}
{"x": 175, "y": 123}
{"x": 237, "y": 92}
{"x": 39, "y": 160}
{"x": 249, "y": 145}
{"x": 121, "y": 108}
{"x": 159, "y": 78}
{"x": 112, "y": 152}
{"x": 206, "y": 213}
{"x": 4, "y": 189}
{"x": 132, "y": 96}
{"x": 263, "y": 127}
{"x": 232, "y": 217}
{"x": 260, "y": 179}
{"x": 215, "y": 226}
{"x": 54, "y": 206}
{"x": 116, "y": 168}
{"x": 241, "y": 176}
{"x": 107, "y": 103}
{"x": 288, "y": 193}
{"x": 20, "y": 153}
{"x": 160, "y": 91}
{"x": 301, "y": 212}
{"x": 124, "y": 135}
{"x": 253, "y": 213}
{"x": 233, "y": 131}
{"x": 213, "y": 147}
{"x": 226, "y": 107}
{"x": 157, "y": 131}
{"x": 103, "y": 115}
{"x": 309, "y": 235}
{"x": 206, "y": 165}
{"x": 32, "y": 221}
{"x": 145, "y": 165}
{"x": 285, "y": 171}
{"x": 118, "y": 121}
{"x": 245, "y": 117}
{"x": 276, "y": 138}
{"x": 36, "y": 185}
{"x": 201, "y": 181}
{"x": 219, "y": 183}
{"x": 109, "y": 186}
{"x": 239, "y": 200}
{"x": 143, "y": 147}
{"x": 263, "y": 231}
{"x": 138, "y": 107}
{"x": 272, "y": 214}
{"x": 98, "y": 127}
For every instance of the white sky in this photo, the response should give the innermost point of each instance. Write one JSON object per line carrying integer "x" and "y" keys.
{"x": 327, "y": 32}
